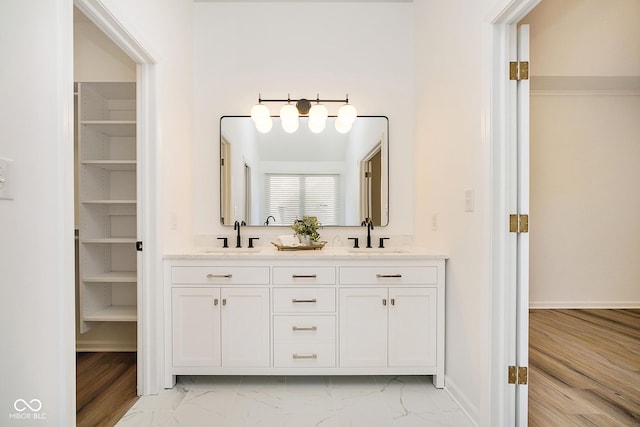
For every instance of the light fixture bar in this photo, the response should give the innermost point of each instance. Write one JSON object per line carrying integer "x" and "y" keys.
{"x": 345, "y": 100}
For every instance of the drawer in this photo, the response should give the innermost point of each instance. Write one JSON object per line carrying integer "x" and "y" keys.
{"x": 304, "y": 328}
{"x": 386, "y": 275}
{"x": 304, "y": 300}
{"x": 304, "y": 355}
{"x": 304, "y": 276}
{"x": 220, "y": 275}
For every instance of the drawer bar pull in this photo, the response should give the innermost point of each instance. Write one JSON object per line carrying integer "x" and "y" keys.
{"x": 301, "y": 328}
{"x": 388, "y": 276}
{"x": 294, "y": 300}
{"x": 218, "y": 276}
{"x": 304, "y": 276}
{"x": 305, "y": 356}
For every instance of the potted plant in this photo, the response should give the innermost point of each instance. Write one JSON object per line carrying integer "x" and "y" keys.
{"x": 306, "y": 229}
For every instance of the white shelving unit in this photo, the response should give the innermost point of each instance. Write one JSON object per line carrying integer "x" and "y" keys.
{"x": 107, "y": 203}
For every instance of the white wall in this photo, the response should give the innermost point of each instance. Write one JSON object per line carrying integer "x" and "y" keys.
{"x": 36, "y": 227}
{"x": 585, "y": 155}
{"x": 449, "y": 158}
{"x": 274, "y": 49}
{"x": 585, "y": 198}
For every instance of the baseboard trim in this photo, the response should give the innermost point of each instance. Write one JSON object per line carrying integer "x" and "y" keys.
{"x": 460, "y": 398}
{"x": 104, "y": 346}
{"x": 584, "y": 304}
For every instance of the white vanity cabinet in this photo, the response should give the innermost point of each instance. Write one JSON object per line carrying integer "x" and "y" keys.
{"x": 304, "y": 317}
{"x": 388, "y": 327}
{"x": 219, "y": 317}
{"x": 280, "y": 313}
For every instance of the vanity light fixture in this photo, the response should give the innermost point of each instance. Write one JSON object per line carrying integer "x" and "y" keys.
{"x": 317, "y": 113}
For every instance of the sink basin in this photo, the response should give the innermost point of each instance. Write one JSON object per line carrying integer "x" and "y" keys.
{"x": 377, "y": 251}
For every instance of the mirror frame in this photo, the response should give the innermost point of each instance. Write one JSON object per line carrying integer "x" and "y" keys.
{"x": 222, "y": 178}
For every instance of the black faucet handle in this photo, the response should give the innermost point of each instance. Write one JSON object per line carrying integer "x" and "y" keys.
{"x": 225, "y": 242}
{"x": 355, "y": 242}
{"x": 382, "y": 239}
{"x": 251, "y": 239}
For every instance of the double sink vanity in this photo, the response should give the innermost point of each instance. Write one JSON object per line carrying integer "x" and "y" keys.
{"x": 335, "y": 311}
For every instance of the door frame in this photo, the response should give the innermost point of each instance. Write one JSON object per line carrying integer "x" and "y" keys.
{"x": 500, "y": 135}
{"x": 148, "y": 300}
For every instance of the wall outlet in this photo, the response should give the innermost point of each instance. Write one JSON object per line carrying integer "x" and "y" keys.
{"x": 6, "y": 179}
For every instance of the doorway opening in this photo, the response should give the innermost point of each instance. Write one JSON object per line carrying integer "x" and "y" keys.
{"x": 127, "y": 212}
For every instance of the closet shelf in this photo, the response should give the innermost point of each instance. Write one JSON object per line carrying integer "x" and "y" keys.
{"x": 109, "y": 202}
{"x": 112, "y": 165}
{"x": 110, "y": 240}
{"x": 112, "y": 277}
{"x": 112, "y": 127}
{"x": 113, "y": 313}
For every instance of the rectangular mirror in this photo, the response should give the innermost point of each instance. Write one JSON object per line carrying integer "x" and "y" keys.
{"x": 270, "y": 179}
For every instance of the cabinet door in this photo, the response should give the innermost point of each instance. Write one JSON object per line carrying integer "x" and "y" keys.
{"x": 412, "y": 326}
{"x": 195, "y": 326}
{"x": 245, "y": 327}
{"x": 363, "y": 327}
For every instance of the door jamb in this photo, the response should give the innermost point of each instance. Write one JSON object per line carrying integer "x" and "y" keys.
{"x": 499, "y": 132}
{"x": 148, "y": 359}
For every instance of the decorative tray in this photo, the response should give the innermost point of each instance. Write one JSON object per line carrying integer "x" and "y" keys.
{"x": 313, "y": 246}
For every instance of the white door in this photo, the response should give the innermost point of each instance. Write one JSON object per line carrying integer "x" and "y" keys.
{"x": 412, "y": 326}
{"x": 195, "y": 324}
{"x": 245, "y": 327}
{"x": 522, "y": 269}
{"x": 363, "y": 327}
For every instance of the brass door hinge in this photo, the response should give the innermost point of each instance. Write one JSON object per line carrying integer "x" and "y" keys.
{"x": 518, "y": 375}
{"x": 519, "y": 70}
{"x": 368, "y": 174}
{"x": 519, "y": 223}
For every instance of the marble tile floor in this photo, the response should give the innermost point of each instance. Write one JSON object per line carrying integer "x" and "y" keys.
{"x": 337, "y": 401}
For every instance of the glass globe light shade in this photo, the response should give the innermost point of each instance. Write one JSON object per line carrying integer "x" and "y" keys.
{"x": 342, "y": 127}
{"x": 260, "y": 112}
{"x": 318, "y": 112}
{"x": 317, "y": 125}
{"x": 264, "y": 126}
{"x": 291, "y": 125}
{"x": 288, "y": 112}
{"x": 347, "y": 114}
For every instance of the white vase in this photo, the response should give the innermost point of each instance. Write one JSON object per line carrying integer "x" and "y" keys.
{"x": 305, "y": 239}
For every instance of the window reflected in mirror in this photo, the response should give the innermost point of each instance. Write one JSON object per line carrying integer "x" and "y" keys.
{"x": 271, "y": 179}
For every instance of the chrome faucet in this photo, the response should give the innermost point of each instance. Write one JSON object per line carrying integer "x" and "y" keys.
{"x": 369, "y": 224}
{"x": 236, "y": 226}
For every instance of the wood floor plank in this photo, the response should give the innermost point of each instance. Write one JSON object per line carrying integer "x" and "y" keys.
{"x": 105, "y": 387}
{"x": 584, "y": 367}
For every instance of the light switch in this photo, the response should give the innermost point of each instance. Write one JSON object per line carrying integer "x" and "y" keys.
{"x": 6, "y": 179}
{"x": 468, "y": 200}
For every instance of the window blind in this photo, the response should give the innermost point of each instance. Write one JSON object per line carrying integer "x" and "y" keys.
{"x": 290, "y": 196}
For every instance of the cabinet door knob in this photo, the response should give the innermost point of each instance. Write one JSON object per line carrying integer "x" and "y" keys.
{"x": 393, "y": 301}
{"x": 384, "y": 301}
{"x": 215, "y": 301}
{"x": 224, "y": 301}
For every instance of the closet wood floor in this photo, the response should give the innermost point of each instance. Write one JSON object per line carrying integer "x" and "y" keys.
{"x": 584, "y": 368}
{"x": 105, "y": 387}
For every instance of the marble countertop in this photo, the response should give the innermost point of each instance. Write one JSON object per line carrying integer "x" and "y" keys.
{"x": 326, "y": 252}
